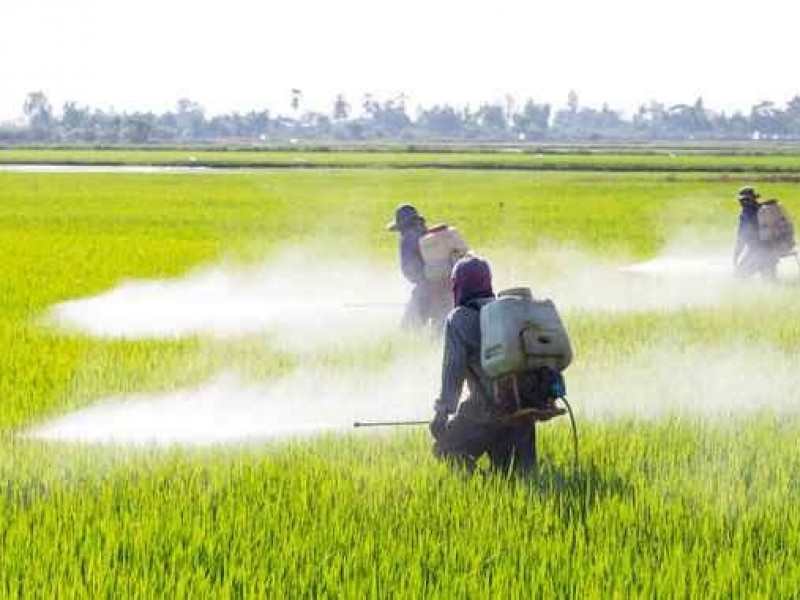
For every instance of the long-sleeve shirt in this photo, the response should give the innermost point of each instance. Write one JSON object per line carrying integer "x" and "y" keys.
{"x": 411, "y": 262}
{"x": 748, "y": 224}
{"x": 462, "y": 360}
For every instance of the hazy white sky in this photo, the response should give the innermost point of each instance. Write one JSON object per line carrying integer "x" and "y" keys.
{"x": 245, "y": 54}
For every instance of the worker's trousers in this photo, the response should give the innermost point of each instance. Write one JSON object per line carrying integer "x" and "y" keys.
{"x": 761, "y": 261}
{"x": 429, "y": 305}
{"x": 465, "y": 440}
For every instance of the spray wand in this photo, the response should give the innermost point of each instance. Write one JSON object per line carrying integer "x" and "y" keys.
{"x": 414, "y": 423}
{"x": 387, "y": 423}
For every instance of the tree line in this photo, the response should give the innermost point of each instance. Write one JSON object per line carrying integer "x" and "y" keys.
{"x": 390, "y": 119}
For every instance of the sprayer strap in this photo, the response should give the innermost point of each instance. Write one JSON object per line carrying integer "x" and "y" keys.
{"x": 477, "y": 378}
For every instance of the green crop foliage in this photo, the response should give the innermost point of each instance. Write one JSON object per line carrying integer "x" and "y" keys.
{"x": 675, "y": 506}
{"x": 776, "y": 160}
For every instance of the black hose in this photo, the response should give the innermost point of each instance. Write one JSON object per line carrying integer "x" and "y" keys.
{"x": 582, "y": 491}
{"x": 574, "y": 432}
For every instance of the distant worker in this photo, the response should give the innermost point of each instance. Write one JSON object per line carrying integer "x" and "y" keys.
{"x": 427, "y": 257}
{"x": 765, "y": 234}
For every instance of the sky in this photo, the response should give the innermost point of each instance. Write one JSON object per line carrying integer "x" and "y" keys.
{"x": 249, "y": 54}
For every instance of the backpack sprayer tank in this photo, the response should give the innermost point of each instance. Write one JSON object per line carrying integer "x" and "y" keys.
{"x": 775, "y": 227}
{"x": 441, "y": 247}
{"x": 524, "y": 349}
{"x": 519, "y": 334}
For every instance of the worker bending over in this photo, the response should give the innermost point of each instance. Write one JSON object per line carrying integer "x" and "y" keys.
{"x": 427, "y": 257}
{"x": 464, "y": 432}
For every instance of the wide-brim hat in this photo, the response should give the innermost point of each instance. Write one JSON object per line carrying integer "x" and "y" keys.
{"x": 404, "y": 215}
{"x": 748, "y": 193}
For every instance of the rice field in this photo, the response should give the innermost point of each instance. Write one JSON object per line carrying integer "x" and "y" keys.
{"x": 762, "y": 158}
{"x": 689, "y": 489}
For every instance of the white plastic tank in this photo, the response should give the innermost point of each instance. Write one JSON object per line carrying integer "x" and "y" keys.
{"x": 441, "y": 248}
{"x": 520, "y": 333}
{"x": 775, "y": 226}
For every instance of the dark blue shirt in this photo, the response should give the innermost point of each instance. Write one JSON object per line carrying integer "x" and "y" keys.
{"x": 411, "y": 261}
{"x": 748, "y": 224}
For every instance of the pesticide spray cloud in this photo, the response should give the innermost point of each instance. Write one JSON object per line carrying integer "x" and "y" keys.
{"x": 686, "y": 267}
{"x": 300, "y": 304}
{"x": 709, "y": 382}
{"x": 578, "y": 282}
{"x": 687, "y": 274}
{"x": 303, "y": 305}
{"x": 701, "y": 383}
{"x": 301, "y": 301}
{"x": 304, "y": 301}
{"x": 230, "y": 409}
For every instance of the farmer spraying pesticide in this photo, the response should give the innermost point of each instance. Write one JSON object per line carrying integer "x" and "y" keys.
{"x": 764, "y": 236}
{"x": 510, "y": 351}
{"x": 427, "y": 256}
